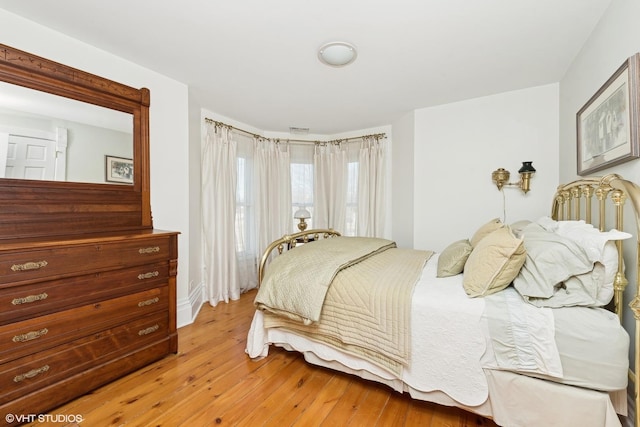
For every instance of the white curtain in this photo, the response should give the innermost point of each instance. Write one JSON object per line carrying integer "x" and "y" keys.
{"x": 222, "y": 278}
{"x": 247, "y": 248}
{"x": 330, "y": 186}
{"x": 371, "y": 187}
{"x": 272, "y": 184}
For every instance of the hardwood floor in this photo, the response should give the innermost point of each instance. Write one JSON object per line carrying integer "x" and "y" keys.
{"x": 212, "y": 382}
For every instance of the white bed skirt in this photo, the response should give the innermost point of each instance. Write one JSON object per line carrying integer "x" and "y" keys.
{"x": 514, "y": 400}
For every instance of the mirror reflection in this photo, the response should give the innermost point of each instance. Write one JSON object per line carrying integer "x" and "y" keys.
{"x": 49, "y": 137}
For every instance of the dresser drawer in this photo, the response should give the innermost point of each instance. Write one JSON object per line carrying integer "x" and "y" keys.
{"x": 36, "y": 371}
{"x": 67, "y": 260}
{"x": 26, "y": 301}
{"x": 29, "y": 336}
{"x": 46, "y": 399}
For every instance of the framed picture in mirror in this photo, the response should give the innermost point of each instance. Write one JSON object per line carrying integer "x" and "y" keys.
{"x": 118, "y": 169}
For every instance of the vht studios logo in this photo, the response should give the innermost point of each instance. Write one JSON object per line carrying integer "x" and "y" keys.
{"x": 42, "y": 418}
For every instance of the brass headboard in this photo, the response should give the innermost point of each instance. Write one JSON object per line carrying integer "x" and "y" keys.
{"x": 290, "y": 241}
{"x": 579, "y": 200}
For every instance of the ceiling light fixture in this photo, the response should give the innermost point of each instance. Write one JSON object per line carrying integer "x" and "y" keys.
{"x": 337, "y": 54}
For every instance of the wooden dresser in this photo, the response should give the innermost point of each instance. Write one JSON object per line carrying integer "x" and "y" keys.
{"x": 87, "y": 285}
{"x": 77, "y": 313}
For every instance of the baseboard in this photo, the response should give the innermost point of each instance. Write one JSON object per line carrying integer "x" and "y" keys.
{"x": 188, "y": 308}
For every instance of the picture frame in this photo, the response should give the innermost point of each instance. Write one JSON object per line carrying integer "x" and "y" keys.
{"x": 118, "y": 169}
{"x": 607, "y": 125}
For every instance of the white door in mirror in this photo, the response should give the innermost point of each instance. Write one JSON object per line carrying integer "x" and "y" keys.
{"x": 33, "y": 154}
{"x": 30, "y": 158}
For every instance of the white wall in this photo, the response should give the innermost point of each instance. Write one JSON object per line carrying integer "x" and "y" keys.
{"x": 402, "y": 181}
{"x": 168, "y": 122}
{"x": 616, "y": 38}
{"x": 458, "y": 145}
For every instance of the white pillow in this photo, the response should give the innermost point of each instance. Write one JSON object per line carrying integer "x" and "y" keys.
{"x": 610, "y": 262}
{"x": 600, "y": 247}
{"x": 551, "y": 259}
{"x": 518, "y": 226}
{"x": 540, "y": 281}
{"x": 589, "y": 237}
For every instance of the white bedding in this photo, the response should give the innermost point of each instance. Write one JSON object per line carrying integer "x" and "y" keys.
{"x": 514, "y": 400}
{"x": 444, "y": 355}
{"x": 448, "y": 340}
{"x": 522, "y": 336}
{"x": 453, "y": 361}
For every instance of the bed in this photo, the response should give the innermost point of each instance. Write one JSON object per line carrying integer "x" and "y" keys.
{"x": 519, "y": 322}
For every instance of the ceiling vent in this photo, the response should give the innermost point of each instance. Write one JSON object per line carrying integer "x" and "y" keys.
{"x": 299, "y": 131}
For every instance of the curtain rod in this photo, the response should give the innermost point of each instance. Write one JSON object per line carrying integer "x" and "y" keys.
{"x": 305, "y": 141}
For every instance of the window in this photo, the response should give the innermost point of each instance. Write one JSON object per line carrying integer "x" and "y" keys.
{"x": 302, "y": 181}
{"x": 302, "y": 186}
{"x": 351, "y": 215}
{"x": 302, "y": 193}
{"x": 302, "y": 189}
{"x": 245, "y": 221}
{"x": 243, "y": 207}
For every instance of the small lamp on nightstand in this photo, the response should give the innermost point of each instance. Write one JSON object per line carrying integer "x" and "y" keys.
{"x": 302, "y": 214}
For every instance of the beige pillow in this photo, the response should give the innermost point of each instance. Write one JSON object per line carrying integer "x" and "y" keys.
{"x": 485, "y": 230}
{"x": 452, "y": 259}
{"x": 494, "y": 263}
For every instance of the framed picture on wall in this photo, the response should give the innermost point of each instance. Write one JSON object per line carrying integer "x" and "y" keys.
{"x": 607, "y": 125}
{"x": 118, "y": 169}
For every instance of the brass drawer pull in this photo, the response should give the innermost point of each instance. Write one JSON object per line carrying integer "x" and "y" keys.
{"x": 148, "y": 302}
{"x": 149, "y": 330}
{"x": 29, "y": 266}
{"x": 149, "y": 250}
{"x": 30, "y": 335}
{"x": 148, "y": 275}
{"x": 32, "y": 373}
{"x": 31, "y": 298}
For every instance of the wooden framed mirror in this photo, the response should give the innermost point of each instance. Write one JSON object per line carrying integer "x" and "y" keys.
{"x": 57, "y": 206}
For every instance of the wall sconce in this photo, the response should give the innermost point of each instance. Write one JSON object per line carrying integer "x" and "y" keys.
{"x": 302, "y": 214}
{"x": 501, "y": 177}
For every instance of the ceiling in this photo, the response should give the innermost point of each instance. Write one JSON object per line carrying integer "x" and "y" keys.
{"x": 255, "y": 61}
